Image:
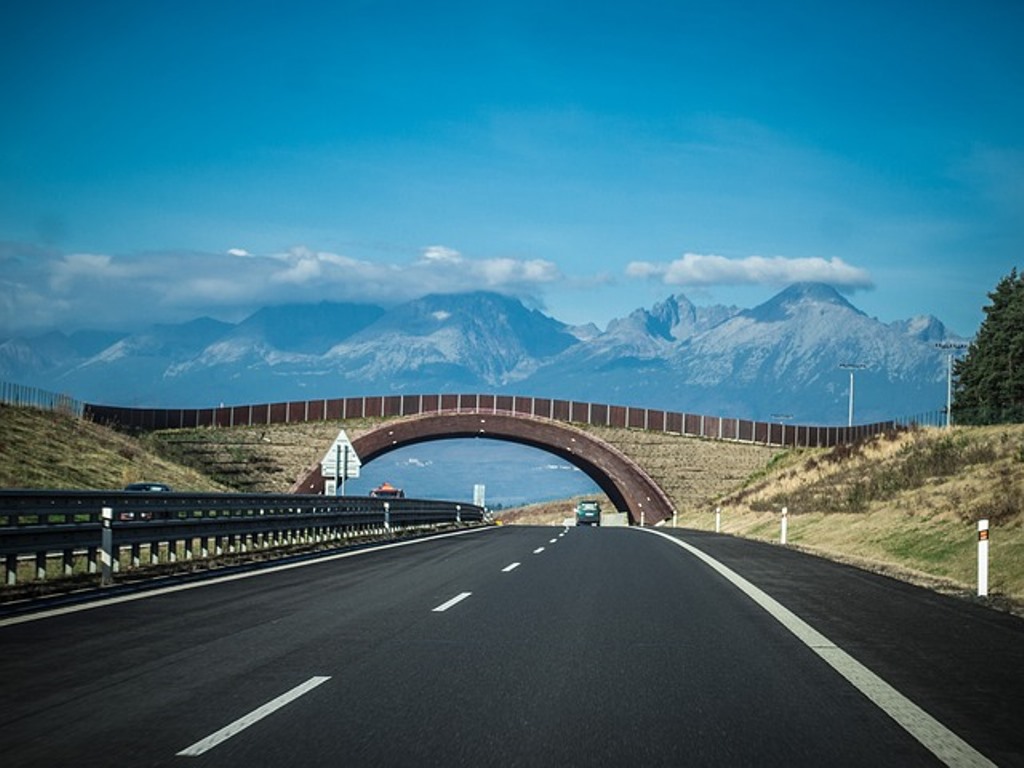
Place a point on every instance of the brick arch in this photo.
(630, 489)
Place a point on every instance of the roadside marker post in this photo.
(107, 547)
(718, 519)
(785, 525)
(983, 557)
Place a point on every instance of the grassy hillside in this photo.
(41, 449)
(907, 503)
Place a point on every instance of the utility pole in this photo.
(952, 347)
(851, 367)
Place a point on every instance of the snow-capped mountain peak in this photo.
(783, 355)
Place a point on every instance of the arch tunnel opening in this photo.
(512, 474)
(622, 480)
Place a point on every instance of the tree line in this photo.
(989, 386)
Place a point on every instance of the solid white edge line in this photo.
(12, 620)
(449, 603)
(933, 735)
(510, 567)
(233, 729)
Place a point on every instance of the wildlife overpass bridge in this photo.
(576, 431)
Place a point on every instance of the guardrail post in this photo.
(107, 547)
(11, 570)
(983, 558)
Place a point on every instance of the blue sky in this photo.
(165, 160)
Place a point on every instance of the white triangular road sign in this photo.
(341, 459)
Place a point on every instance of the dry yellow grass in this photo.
(906, 503)
(40, 449)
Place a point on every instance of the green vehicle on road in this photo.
(588, 512)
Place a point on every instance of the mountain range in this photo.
(779, 360)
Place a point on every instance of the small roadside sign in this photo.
(341, 460)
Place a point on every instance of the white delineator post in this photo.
(107, 547)
(983, 558)
(785, 525)
(718, 519)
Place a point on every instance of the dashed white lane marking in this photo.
(225, 733)
(449, 603)
(510, 567)
(942, 742)
(538, 550)
(553, 541)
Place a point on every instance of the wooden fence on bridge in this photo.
(569, 411)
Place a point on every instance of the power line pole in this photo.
(851, 367)
(952, 347)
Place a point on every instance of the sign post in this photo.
(340, 463)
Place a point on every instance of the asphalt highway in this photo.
(522, 646)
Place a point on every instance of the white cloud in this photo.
(414, 462)
(439, 253)
(96, 290)
(707, 270)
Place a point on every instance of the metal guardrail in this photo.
(95, 526)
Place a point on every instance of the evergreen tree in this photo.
(990, 379)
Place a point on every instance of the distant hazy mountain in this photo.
(778, 360)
